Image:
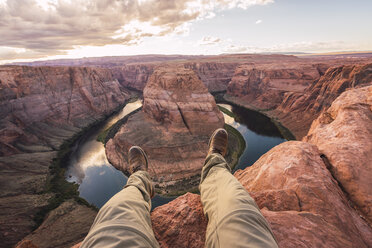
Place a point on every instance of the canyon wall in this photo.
(294, 94)
(40, 108)
(298, 110)
(313, 195)
(133, 76)
(173, 128)
(343, 133)
(264, 87)
(215, 75)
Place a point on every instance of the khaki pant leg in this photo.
(234, 219)
(124, 221)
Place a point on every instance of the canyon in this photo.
(177, 118)
(314, 192)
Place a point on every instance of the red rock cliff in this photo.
(309, 200)
(40, 107)
(264, 86)
(215, 75)
(174, 127)
(298, 110)
(343, 133)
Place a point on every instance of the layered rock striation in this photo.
(343, 133)
(264, 86)
(134, 76)
(173, 128)
(298, 110)
(40, 108)
(294, 93)
(295, 192)
(313, 195)
(215, 75)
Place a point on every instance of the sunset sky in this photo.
(50, 29)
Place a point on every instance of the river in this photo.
(98, 180)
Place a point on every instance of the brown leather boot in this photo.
(218, 142)
(137, 159)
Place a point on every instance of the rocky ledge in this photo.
(173, 128)
(294, 93)
(308, 200)
(40, 108)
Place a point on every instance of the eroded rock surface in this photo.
(264, 86)
(343, 133)
(181, 223)
(134, 75)
(298, 110)
(296, 193)
(174, 127)
(301, 200)
(40, 108)
(215, 75)
(56, 230)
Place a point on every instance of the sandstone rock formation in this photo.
(41, 107)
(133, 76)
(181, 223)
(313, 197)
(56, 230)
(264, 86)
(343, 133)
(174, 127)
(298, 110)
(296, 193)
(215, 75)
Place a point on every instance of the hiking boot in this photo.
(137, 159)
(218, 142)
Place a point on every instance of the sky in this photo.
(51, 29)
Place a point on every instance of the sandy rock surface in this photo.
(180, 224)
(56, 230)
(343, 134)
(296, 193)
(40, 108)
(298, 110)
(173, 128)
(264, 86)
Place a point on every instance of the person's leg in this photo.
(234, 219)
(124, 221)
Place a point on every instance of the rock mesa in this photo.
(174, 126)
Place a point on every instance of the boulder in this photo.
(343, 134)
(181, 223)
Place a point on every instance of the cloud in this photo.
(50, 27)
(209, 40)
(235, 49)
(258, 21)
(305, 46)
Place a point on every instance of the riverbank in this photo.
(60, 189)
(221, 97)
